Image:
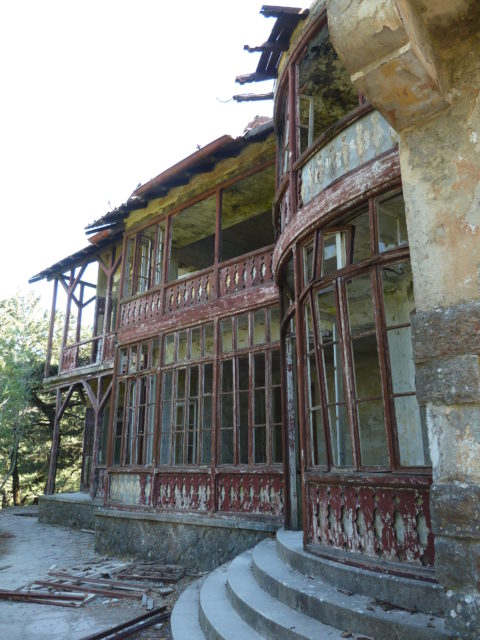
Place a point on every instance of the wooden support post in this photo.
(51, 329)
(52, 469)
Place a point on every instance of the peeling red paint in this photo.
(390, 523)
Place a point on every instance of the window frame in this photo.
(311, 287)
(125, 439)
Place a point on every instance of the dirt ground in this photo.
(28, 550)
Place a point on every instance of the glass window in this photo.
(143, 260)
(359, 365)
(397, 287)
(392, 226)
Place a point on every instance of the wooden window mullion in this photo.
(348, 371)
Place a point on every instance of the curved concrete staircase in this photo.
(278, 592)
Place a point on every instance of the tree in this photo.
(23, 336)
(27, 410)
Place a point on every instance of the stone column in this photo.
(418, 62)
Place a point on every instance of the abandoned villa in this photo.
(284, 366)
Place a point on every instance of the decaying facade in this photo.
(320, 372)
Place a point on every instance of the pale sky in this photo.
(99, 95)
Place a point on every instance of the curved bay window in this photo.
(367, 460)
(363, 412)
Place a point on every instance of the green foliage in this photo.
(27, 412)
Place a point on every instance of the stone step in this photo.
(407, 593)
(218, 619)
(324, 602)
(267, 615)
(185, 620)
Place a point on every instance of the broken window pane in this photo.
(340, 436)
(247, 205)
(392, 226)
(325, 91)
(192, 239)
(373, 437)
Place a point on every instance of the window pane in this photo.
(318, 437)
(132, 366)
(119, 416)
(260, 445)
(146, 242)
(412, 433)
(169, 349)
(308, 256)
(401, 360)
(181, 383)
(373, 438)
(122, 361)
(157, 278)
(332, 364)
(397, 284)
(195, 343)
(340, 436)
(327, 316)
(156, 354)
(277, 448)
(226, 444)
(360, 305)
(167, 379)
(227, 411)
(361, 237)
(366, 366)
(274, 315)
(193, 382)
(334, 254)
(227, 377)
(128, 274)
(226, 335)
(208, 378)
(259, 370)
(259, 327)
(143, 360)
(288, 285)
(243, 372)
(192, 239)
(392, 226)
(243, 426)
(182, 345)
(260, 413)
(208, 340)
(242, 331)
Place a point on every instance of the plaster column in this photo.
(418, 62)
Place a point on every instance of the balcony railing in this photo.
(87, 352)
(240, 274)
